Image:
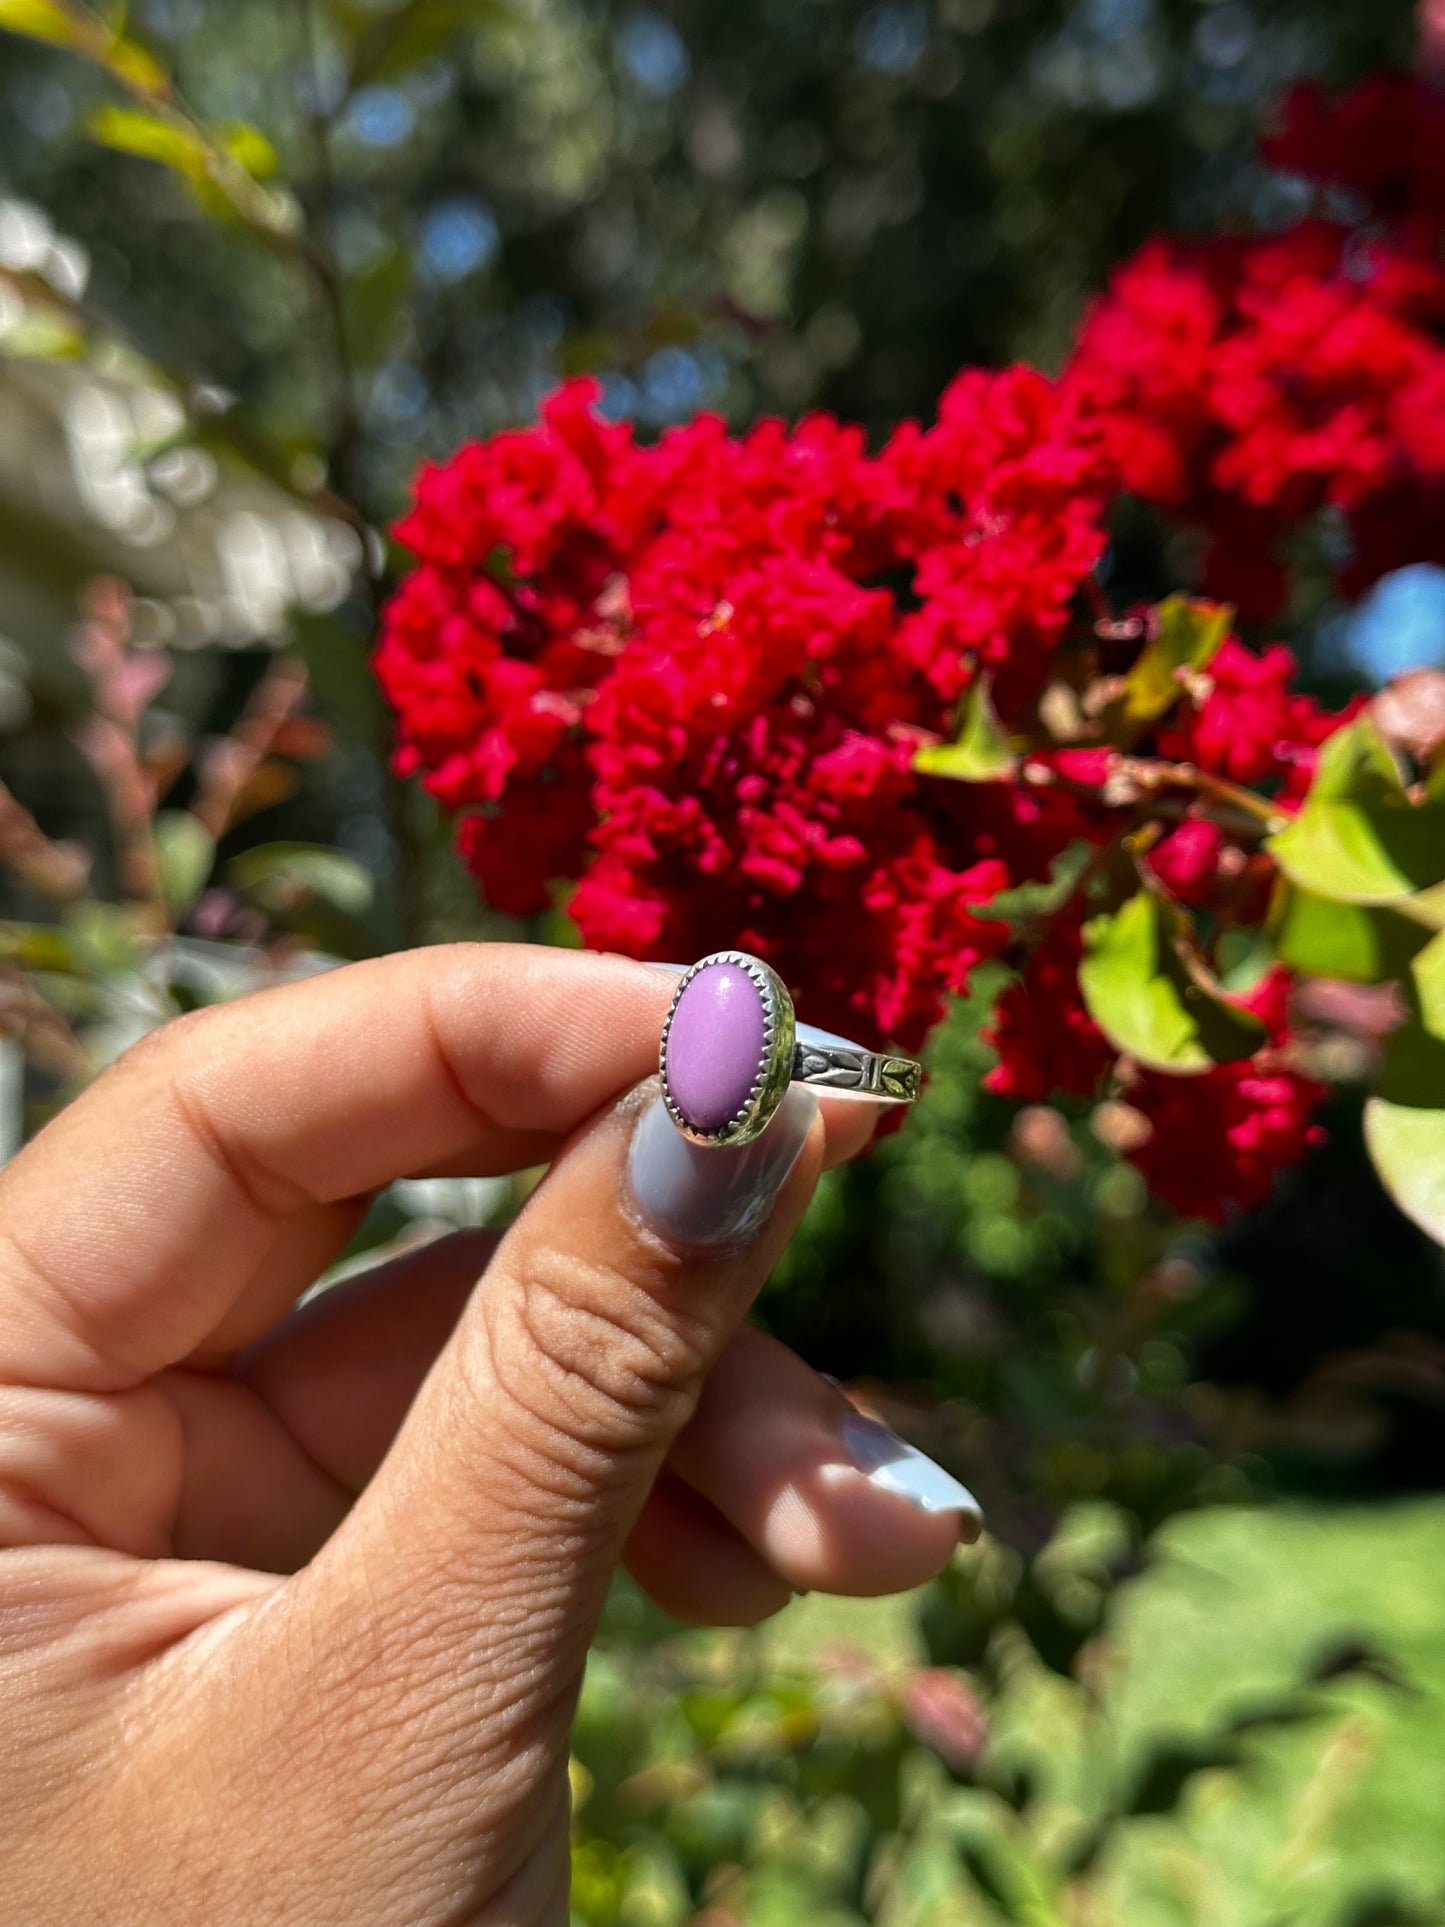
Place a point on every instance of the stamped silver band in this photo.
(847, 1070)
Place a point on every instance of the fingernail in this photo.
(708, 1196)
(893, 1465)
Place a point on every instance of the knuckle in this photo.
(156, 1064)
(175, 1041)
(593, 1352)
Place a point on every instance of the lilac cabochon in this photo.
(715, 1046)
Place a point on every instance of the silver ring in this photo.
(731, 1046)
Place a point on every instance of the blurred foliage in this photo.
(1250, 1734)
(1195, 1673)
(765, 205)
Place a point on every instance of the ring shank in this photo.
(846, 1070)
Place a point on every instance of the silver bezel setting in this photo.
(775, 1069)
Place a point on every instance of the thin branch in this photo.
(1221, 790)
(1142, 778)
(232, 761)
(1107, 626)
(58, 872)
(346, 422)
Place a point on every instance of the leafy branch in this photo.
(231, 163)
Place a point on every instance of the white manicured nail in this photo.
(893, 1465)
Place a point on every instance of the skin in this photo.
(294, 1604)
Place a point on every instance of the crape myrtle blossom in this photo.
(692, 679)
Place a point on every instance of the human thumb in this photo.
(446, 1624)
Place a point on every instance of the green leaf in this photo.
(1356, 765)
(1143, 994)
(37, 946)
(92, 38)
(223, 170)
(154, 137)
(40, 20)
(282, 876)
(1414, 1068)
(1427, 908)
(1185, 635)
(1239, 1612)
(102, 938)
(134, 67)
(1241, 959)
(186, 855)
(1405, 1119)
(1407, 1147)
(981, 754)
(1358, 838)
(1359, 943)
(248, 147)
(38, 336)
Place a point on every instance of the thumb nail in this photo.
(707, 1197)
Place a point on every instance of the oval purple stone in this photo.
(715, 1046)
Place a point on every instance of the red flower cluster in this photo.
(1243, 1124)
(1210, 1144)
(1046, 1041)
(1254, 729)
(693, 678)
(1247, 385)
(694, 685)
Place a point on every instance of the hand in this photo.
(294, 1604)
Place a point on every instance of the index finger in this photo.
(135, 1222)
